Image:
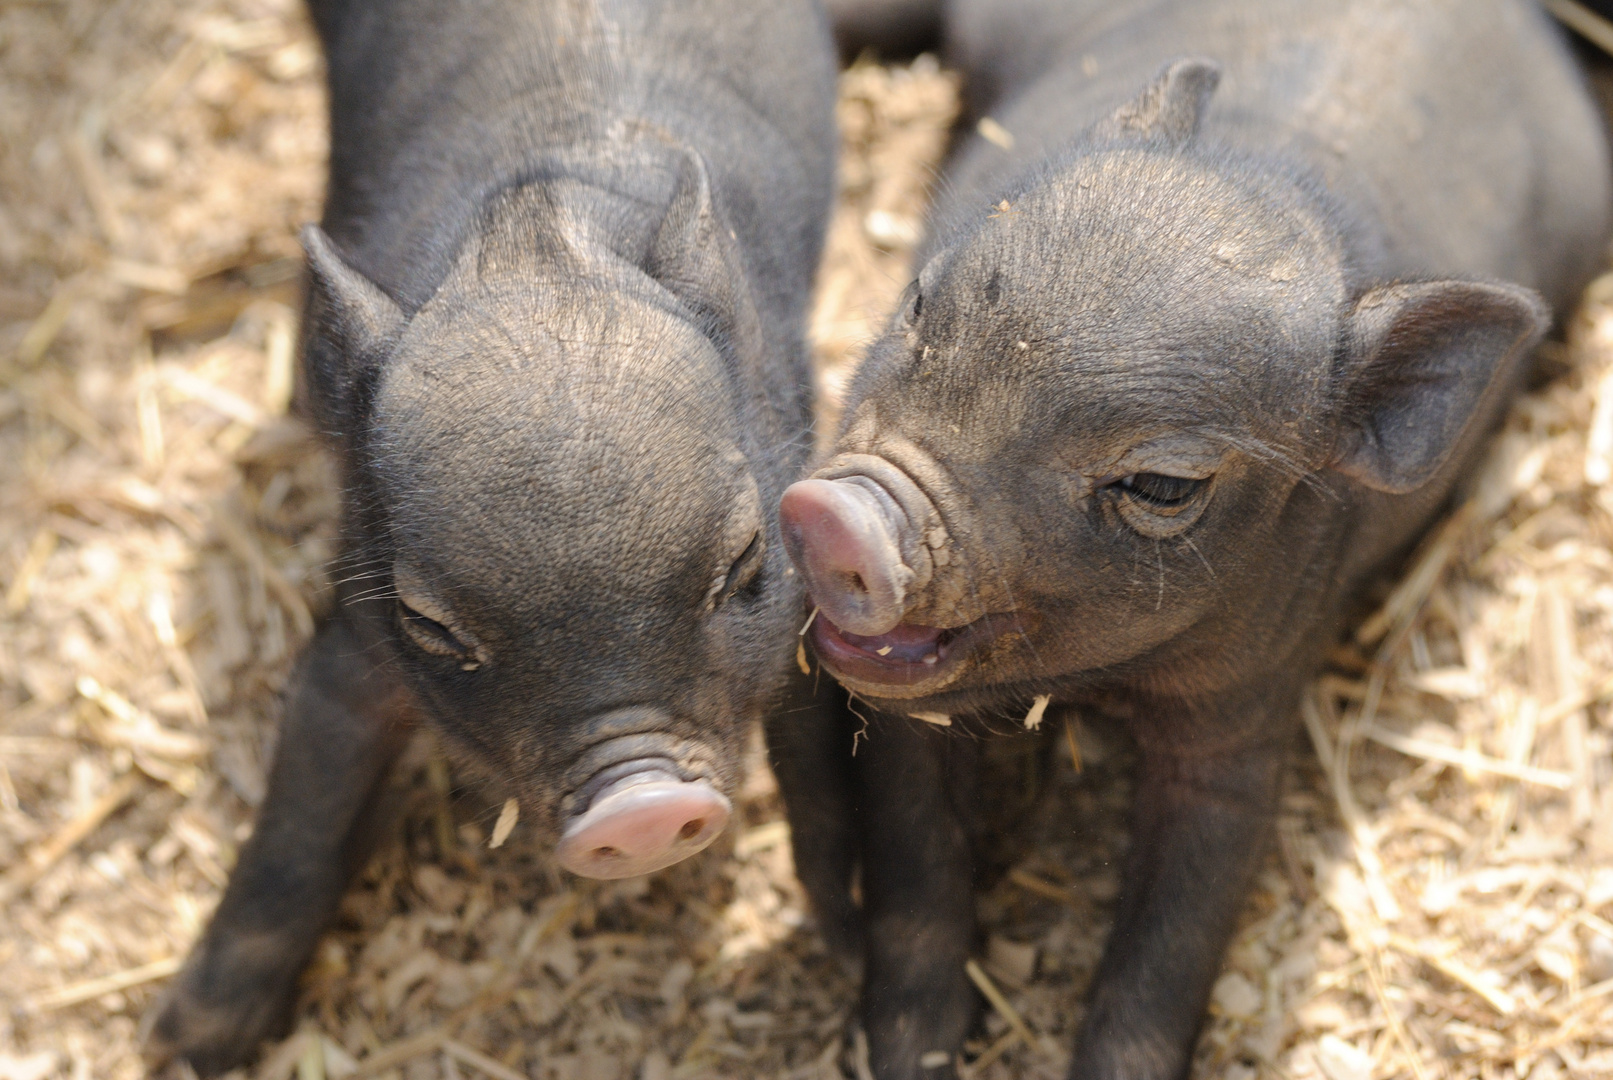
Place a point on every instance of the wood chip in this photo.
(41, 333)
(91, 989)
(983, 983)
(22, 875)
(505, 825)
(1467, 759)
(1045, 889)
(477, 1060)
(1365, 841)
(995, 133)
(1499, 1000)
(1595, 29)
(137, 729)
(400, 1052)
(40, 550)
(771, 835)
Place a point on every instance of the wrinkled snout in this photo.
(848, 547)
(640, 823)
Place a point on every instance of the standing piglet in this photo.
(1182, 370)
(555, 335)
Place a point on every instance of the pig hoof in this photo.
(213, 1032)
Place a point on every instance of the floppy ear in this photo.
(349, 326)
(698, 260)
(1420, 360)
(1170, 110)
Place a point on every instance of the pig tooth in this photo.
(932, 658)
(886, 651)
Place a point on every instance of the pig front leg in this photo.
(809, 742)
(1202, 822)
(340, 734)
(915, 802)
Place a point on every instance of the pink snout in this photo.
(848, 550)
(642, 823)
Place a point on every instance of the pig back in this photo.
(438, 104)
(1456, 135)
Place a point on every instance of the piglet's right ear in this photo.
(1421, 361)
(348, 327)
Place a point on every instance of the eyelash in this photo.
(1159, 490)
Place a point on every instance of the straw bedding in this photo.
(1440, 904)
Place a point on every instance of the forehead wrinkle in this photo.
(1106, 225)
(1106, 291)
(551, 461)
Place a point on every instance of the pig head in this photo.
(558, 471)
(1128, 422)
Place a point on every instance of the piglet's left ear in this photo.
(1420, 361)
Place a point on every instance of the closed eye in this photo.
(1159, 491)
(431, 635)
(744, 577)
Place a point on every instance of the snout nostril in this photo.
(607, 852)
(855, 581)
(691, 829)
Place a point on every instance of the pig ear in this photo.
(349, 325)
(1420, 360)
(352, 311)
(1170, 109)
(697, 259)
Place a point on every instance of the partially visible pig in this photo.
(1181, 371)
(555, 333)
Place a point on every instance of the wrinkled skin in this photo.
(555, 334)
(1181, 371)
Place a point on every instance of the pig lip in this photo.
(898, 658)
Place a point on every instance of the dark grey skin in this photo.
(1206, 350)
(888, 29)
(555, 334)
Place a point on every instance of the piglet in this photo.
(555, 334)
(1204, 336)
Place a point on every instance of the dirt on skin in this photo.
(1441, 904)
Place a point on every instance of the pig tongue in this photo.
(904, 644)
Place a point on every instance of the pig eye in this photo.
(1160, 491)
(911, 305)
(744, 577)
(1157, 504)
(431, 635)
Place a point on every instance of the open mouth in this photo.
(904, 656)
